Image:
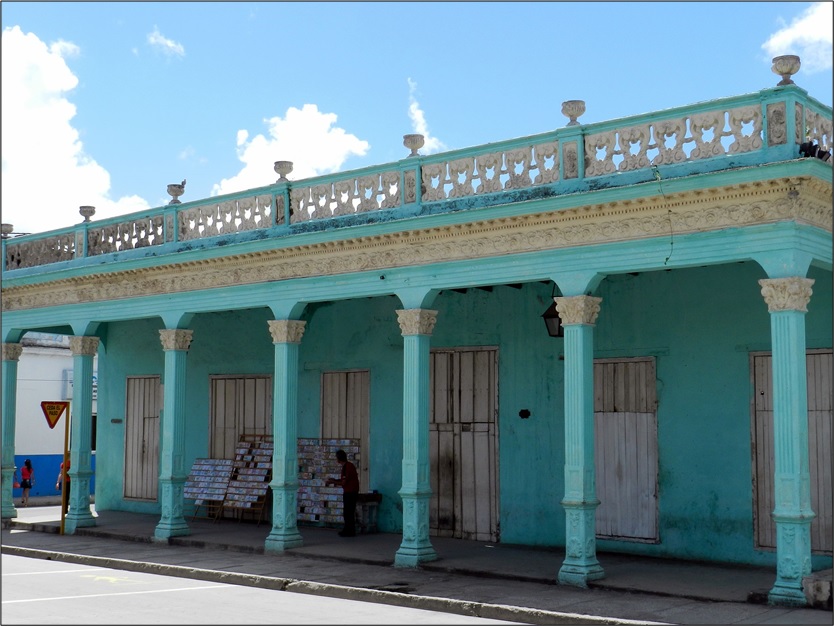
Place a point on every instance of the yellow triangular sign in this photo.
(53, 411)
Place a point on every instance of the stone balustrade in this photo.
(740, 131)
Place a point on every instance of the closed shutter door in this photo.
(345, 414)
(625, 448)
(239, 405)
(463, 453)
(819, 377)
(141, 470)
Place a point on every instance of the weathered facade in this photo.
(689, 255)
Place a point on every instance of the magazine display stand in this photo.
(251, 473)
(319, 504)
(207, 484)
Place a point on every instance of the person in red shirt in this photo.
(349, 482)
(27, 479)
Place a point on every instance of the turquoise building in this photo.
(610, 337)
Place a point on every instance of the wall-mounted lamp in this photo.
(551, 318)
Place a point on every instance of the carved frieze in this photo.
(804, 200)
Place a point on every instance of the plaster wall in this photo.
(699, 323)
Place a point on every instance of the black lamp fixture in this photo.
(551, 318)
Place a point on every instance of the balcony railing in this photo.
(740, 131)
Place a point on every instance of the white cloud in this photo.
(46, 173)
(418, 122)
(809, 36)
(306, 136)
(167, 46)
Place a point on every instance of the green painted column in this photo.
(787, 300)
(11, 354)
(81, 430)
(286, 335)
(173, 473)
(578, 315)
(416, 326)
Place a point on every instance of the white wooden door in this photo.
(141, 469)
(819, 373)
(625, 448)
(463, 441)
(239, 405)
(346, 412)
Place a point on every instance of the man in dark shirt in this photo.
(349, 482)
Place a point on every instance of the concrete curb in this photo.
(429, 603)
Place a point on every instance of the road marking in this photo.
(123, 593)
(63, 571)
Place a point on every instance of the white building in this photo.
(45, 374)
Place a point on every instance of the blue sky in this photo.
(105, 103)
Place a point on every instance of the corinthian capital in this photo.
(416, 321)
(787, 294)
(176, 339)
(11, 351)
(84, 346)
(286, 331)
(578, 309)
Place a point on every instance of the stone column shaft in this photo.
(173, 472)
(286, 336)
(11, 354)
(81, 425)
(787, 300)
(417, 326)
(578, 315)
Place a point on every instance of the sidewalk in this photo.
(517, 583)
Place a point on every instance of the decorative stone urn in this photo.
(414, 142)
(175, 191)
(573, 109)
(87, 212)
(282, 168)
(6, 230)
(786, 66)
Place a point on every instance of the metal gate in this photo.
(345, 414)
(464, 444)
(625, 448)
(819, 372)
(239, 405)
(141, 470)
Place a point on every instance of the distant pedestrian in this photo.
(64, 477)
(349, 482)
(27, 479)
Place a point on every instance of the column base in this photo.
(173, 528)
(782, 595)
(410, 556)
(280, 541)
(579, 575)
(9, 512)
(84, 519)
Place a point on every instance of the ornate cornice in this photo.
(787, 294)
(176, 339)
(416, 321)
(83, 346)
(803, 200)
(286, 331)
